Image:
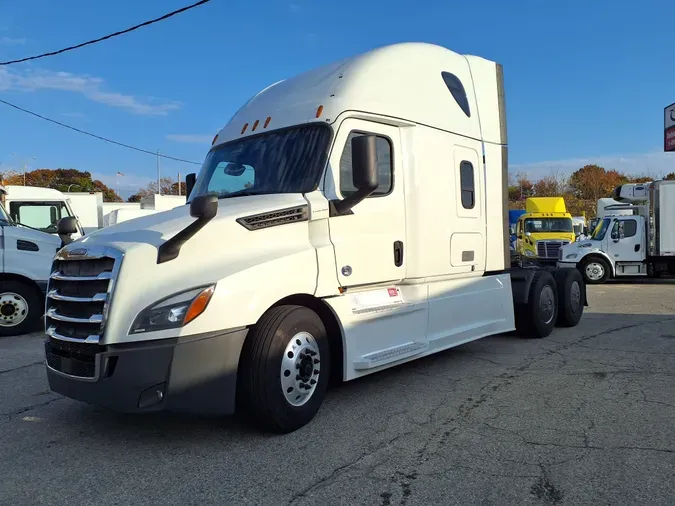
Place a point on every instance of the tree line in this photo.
(72, 180)
(581, 189)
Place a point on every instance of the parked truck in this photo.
(25, 266)
(39, 208)
(347, 220)
(635, 237)
(545, 227)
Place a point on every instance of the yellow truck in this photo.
(545, 227)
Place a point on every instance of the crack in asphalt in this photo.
(41, 362)
(29, 408)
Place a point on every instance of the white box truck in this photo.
(346, 220)
(635, 236)
(25, 266)
(88, 207)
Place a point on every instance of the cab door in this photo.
(626, 242)
(369, 242)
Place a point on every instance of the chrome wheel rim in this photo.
(595, 271)
(300, 369)
(13, 309)
(547, 304)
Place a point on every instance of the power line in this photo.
(153, 153)
(146, 23)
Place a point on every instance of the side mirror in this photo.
(204, 207)
(65, 228)
(364, 173)
(190, 183)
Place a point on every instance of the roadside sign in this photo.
(669, 128)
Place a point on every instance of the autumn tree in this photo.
(592, 182)
(167, 186)
(670, 176)
(64, 180)
(520, 187)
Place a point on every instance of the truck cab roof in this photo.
(32, 192)
(409, 83)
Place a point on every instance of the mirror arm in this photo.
(344, 207)
(65, 239)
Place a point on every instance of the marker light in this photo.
(319, 111)
(198, 305)
(255, 125)
(244, 128)
(267, 121)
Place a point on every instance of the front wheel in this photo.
(595, 270)
(285, 368)
(20, 308)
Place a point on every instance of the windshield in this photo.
(283, 161)
(600, 230)
(539, 225)
(38, 215)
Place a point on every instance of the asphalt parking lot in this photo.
(585, 416)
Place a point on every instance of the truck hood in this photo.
(224, 252)
(155, 229)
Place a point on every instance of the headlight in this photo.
(571, 256)
(529, 253)
(174, 311)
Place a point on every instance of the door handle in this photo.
(398, 253)
(637, 248)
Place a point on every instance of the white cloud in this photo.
(191, 138)
(10, 41)
(654, 163)
(90, 87)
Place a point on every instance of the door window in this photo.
(624, 229)
(385, 167)
(42, 216)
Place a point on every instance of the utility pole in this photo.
(159, 188)
(179, 184)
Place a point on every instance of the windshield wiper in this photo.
(240, 193)
(28, 226)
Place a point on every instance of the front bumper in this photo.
(196, 374)
(566, 265)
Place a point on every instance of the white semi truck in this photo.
(635, 237)
(25, 266)
(39, 208)
(346, 220)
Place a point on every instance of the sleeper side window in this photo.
(467, 185)
(385, 167)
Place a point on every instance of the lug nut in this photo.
(316, 360)
(316, 371)
(312, 382)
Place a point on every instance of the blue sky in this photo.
(585, 81)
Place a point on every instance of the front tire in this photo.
(285, 368)
(595, 270)
(20, 308)
(537, 317)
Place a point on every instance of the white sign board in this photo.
(669, 128)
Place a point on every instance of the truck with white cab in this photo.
(346, 220)
(635, 236)
(25, 266)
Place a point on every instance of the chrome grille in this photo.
(78, 295)
(549, 249)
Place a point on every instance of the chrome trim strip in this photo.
(78, 378)
(57, 276)
(99, 297)
(51, 332)
(95, 318)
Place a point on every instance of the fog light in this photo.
(152, 396)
